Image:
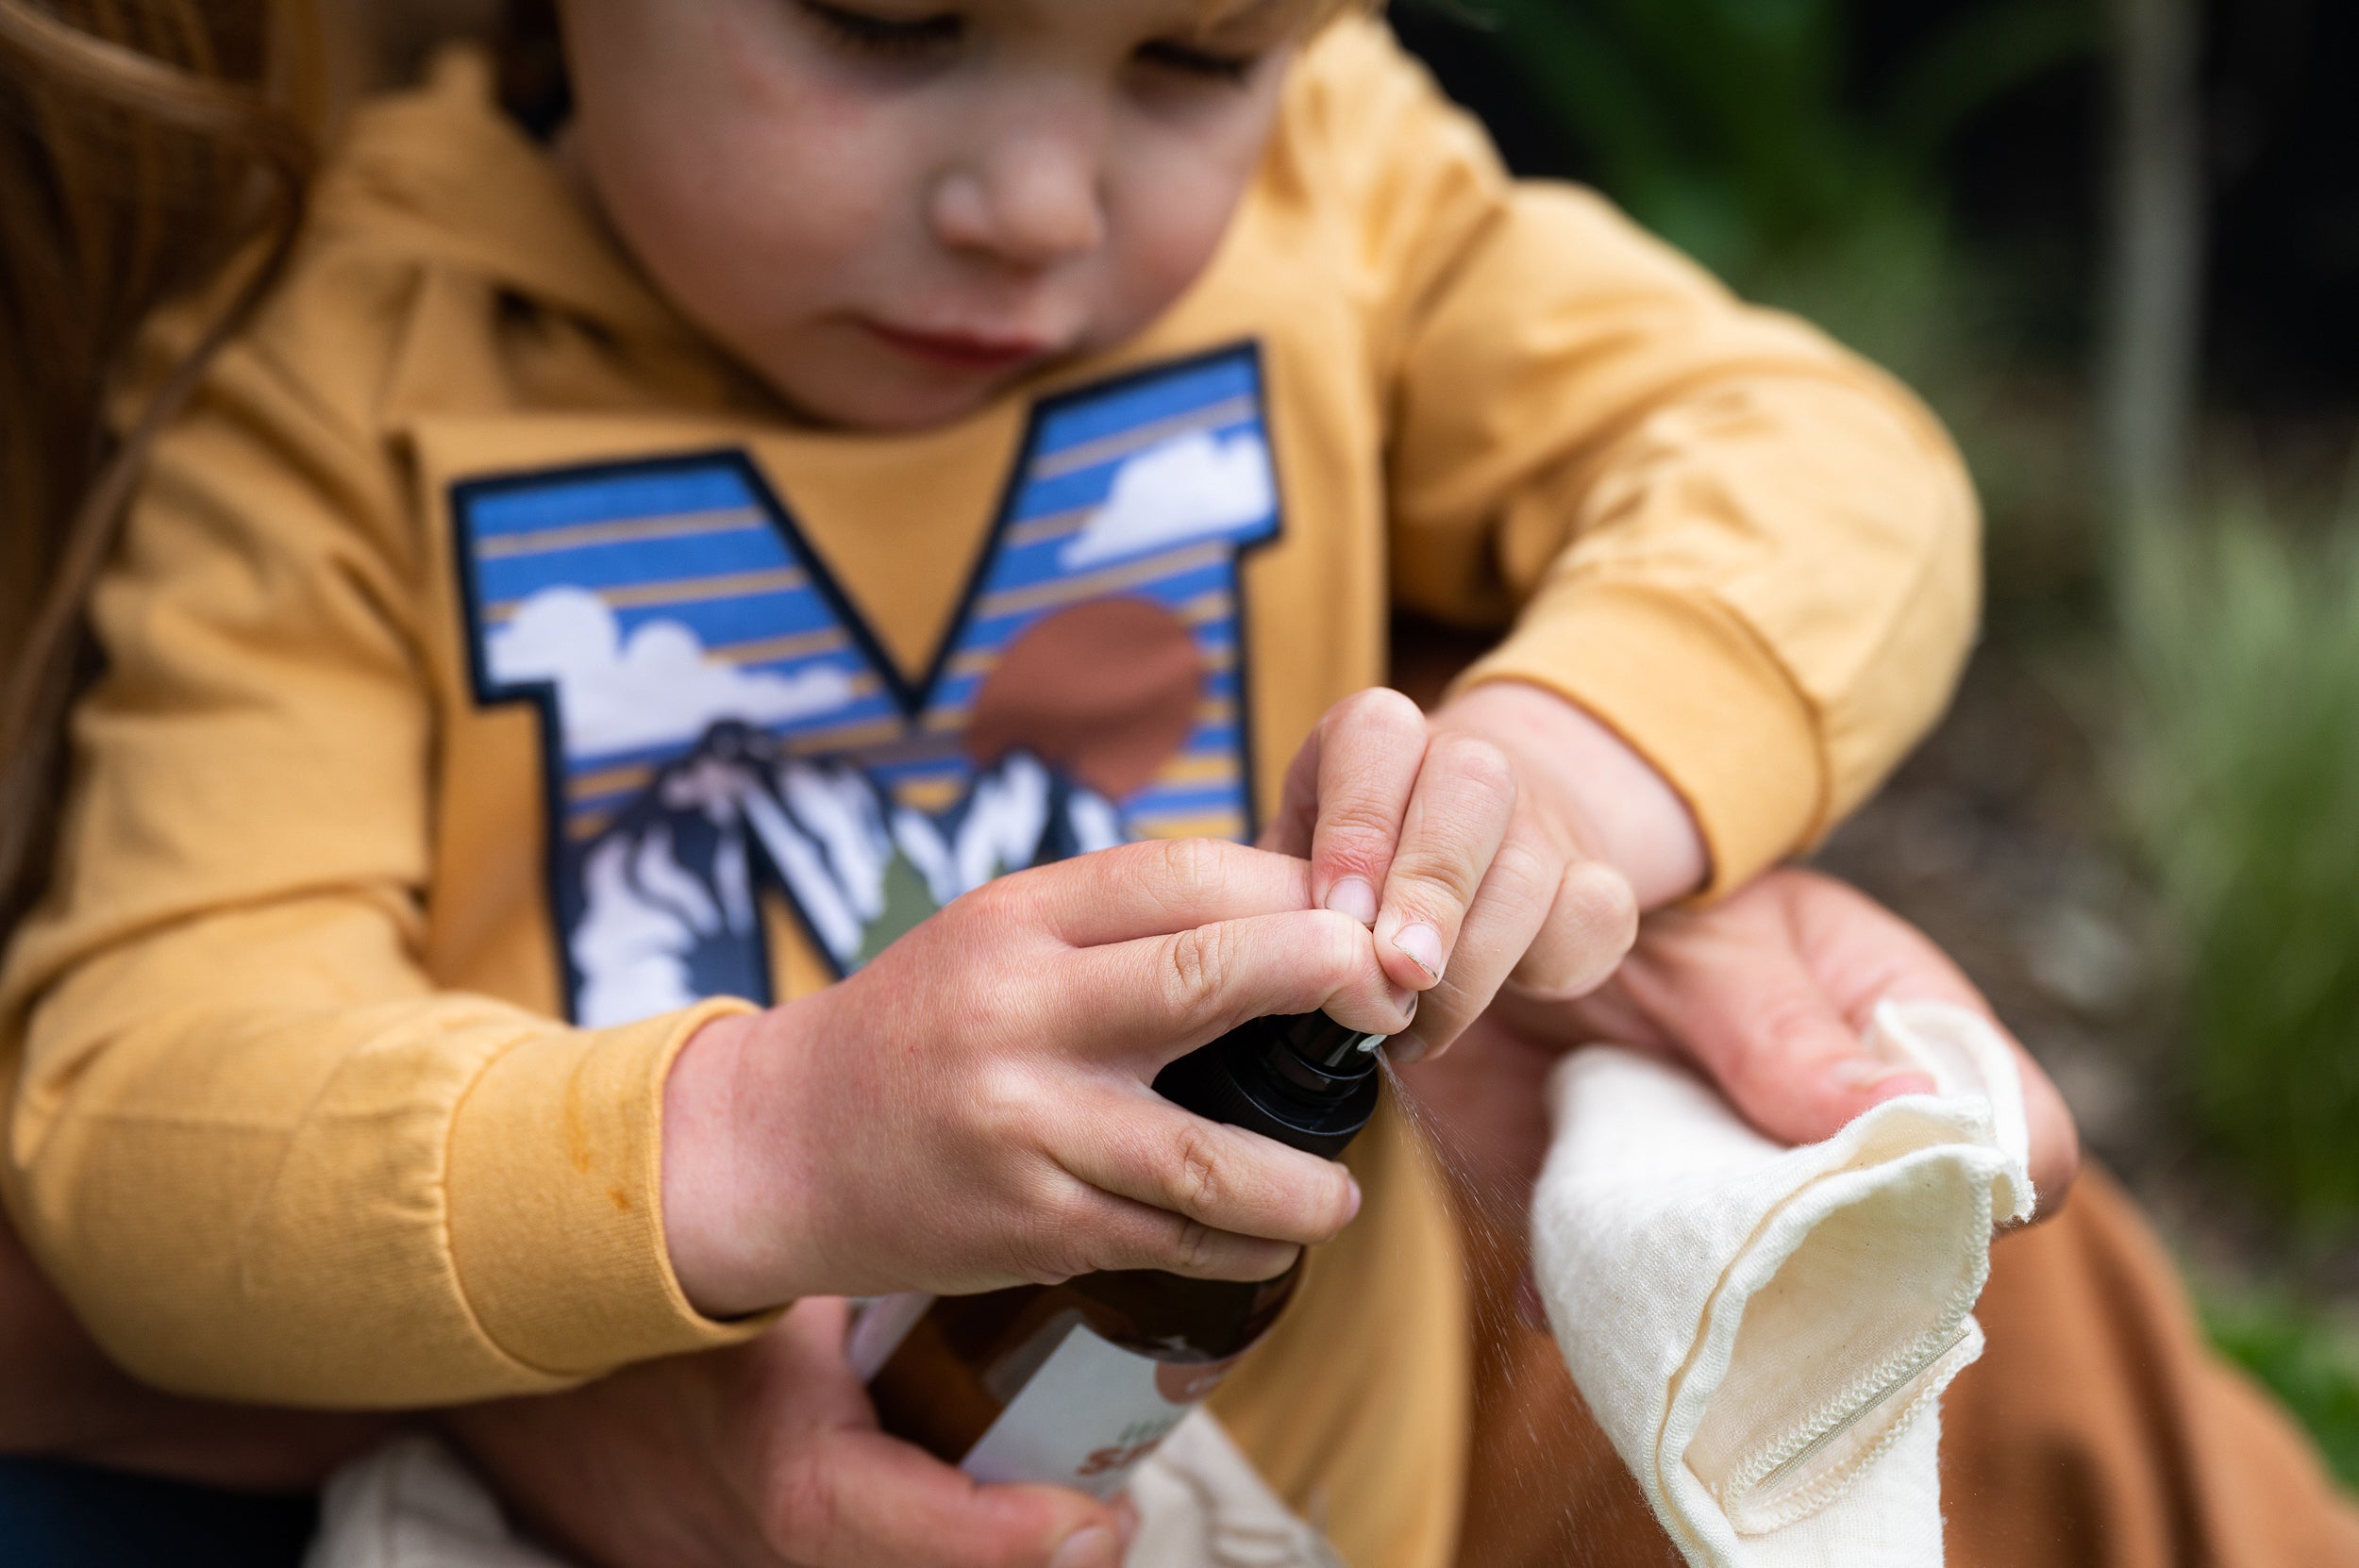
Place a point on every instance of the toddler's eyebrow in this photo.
(1257, 20)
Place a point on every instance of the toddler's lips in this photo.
(960, 350)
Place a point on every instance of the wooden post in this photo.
(2155, 285)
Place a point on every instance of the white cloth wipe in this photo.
(1764, 1332)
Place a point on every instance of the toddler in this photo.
(581, 670)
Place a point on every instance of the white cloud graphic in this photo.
(659, 687)
(1193, 487)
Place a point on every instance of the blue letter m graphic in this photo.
(721, 725)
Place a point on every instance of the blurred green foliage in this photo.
(2242, 787)
(1731, 128)
(1738, 129)
(2307, 1357)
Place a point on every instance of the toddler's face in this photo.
(889, 208)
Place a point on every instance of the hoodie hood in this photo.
(443, 176)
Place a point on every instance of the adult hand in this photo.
(1770, 993)
(1510, 835)
(760, 1457)
(972, 1110)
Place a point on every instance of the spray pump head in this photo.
(1301, 1079)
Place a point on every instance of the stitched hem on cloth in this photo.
(1906, 1368)
(1866, 1392)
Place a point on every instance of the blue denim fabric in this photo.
(58, 1515)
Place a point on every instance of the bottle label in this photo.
(1090, 1415)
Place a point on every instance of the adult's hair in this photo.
(146, 147)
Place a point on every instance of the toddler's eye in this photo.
(1189, 61)
(885, 35)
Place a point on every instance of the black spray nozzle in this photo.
(1303, 1080)
(1319, 1040)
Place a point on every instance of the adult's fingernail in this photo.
(1356, 1200)
(1094, 1547)
(1406, 1000)
(1422, 944)
(1883, 1080)
(1353, 896)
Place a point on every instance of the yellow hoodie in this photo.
(498, 684)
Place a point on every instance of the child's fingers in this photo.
(1231, 1184)
(1591, 925)
(1146, 890)
(1455, 823)
(1507, 913)
(1368, 755)
(1128, 1234)
(1081, 1227)
(1151, 1000)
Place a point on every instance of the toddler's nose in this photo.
(1031, 198)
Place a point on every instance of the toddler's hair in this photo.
(144, 144)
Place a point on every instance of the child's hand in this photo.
(762, 1456)
(1511, 836)
(972, 1110)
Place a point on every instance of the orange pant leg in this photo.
(2100, 1431)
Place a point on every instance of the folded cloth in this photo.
(412, 1504)
(1764, 1332)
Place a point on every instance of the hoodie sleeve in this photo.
(259, 1151)
(1751, 554)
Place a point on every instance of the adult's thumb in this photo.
(871, 1501)
(1760, 1026)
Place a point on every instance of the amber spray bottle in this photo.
(1075, 1384)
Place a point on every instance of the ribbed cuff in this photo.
(554, 1198)
(1691, 690)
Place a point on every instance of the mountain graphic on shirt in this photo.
(670, 910)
